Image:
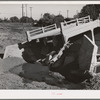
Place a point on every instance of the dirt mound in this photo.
(12, 81)
(94, 83)
(31, 71)
(15, 73)
(37, 72)
(8, 63)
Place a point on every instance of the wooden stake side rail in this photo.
(77, 22)
(45, 34)
(40, 31)
(73, 31)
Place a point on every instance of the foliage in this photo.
(1, 20)
(14, 19)
(47, 19)
(41, 22)
(67, 19)
(6, 20)
(93, 10)
(25, 19)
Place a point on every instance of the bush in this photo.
(14, 19)
(46, 20)
(6, 20)
(93, 10)
(1, 20)
(25, 19)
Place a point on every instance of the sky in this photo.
(9, 10)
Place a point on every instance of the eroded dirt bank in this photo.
(15, 73)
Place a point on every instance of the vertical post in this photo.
(77, 23)
(89, 18)
(43, 29)
(41, 15)
(26, 10)
(99, 19)
(67, 13)
(23, 14)
(62, 31)
(99, 16)
(22, 10)
(31, 12)
(62, 28)
(59, 12)
(83, 20)
(55, 26)
(92, 32)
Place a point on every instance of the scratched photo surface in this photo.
(50, 46)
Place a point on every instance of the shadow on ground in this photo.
(37, 72)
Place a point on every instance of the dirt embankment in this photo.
(15, 73)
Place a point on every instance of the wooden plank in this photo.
(80, 29)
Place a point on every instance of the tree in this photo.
(30, 20)
(46, 20)
(6, 19)
(41, 22)
(14, 19)
(67, 19)
(49, 19)
(1, 20)
(58, 19)
(93, 10)
(25, 19)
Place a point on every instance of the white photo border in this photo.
(50, 94)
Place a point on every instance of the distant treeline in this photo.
(47, 19)
(91, 9)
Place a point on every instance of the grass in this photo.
(12, 33)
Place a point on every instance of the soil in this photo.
(15, 73)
